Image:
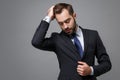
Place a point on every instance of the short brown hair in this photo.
(60, 6)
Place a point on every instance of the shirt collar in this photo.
(78, 31)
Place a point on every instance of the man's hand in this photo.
(50, 13)
(83, 69)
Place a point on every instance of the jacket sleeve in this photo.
(39, 41)
(102, 58)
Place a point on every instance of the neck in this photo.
(76, 27)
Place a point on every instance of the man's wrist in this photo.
(47, 19)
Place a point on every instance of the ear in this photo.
(74, 15)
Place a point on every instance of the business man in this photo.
(74, 46)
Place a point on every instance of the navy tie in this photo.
(78, 45)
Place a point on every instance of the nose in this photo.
(65, 25)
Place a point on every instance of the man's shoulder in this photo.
(59, 35)
(55, 34)
(89, 30)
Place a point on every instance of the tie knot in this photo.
(73, 35)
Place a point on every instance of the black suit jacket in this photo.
(68, 55)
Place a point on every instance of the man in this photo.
(74, 46)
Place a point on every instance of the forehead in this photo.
(63, 16)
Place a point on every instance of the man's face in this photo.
(66, 21)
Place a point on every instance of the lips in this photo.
(67, 30)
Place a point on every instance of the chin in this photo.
(69, 33)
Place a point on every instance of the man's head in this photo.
(65, 17)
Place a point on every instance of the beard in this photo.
(72, 29)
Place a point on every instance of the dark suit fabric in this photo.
(67, 54)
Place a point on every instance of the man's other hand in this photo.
(83, 69)
(50, 13)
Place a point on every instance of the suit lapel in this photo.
(86, 38)
(74, 52)
(69, 44)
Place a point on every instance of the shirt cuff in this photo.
(47, 19)
(92, 70)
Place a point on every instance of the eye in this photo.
(60, 23)
(68, 20)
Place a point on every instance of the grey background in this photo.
(19, 20)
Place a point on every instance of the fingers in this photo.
(80, 71)
(50, 12)
(83, 69)
(81, 63)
